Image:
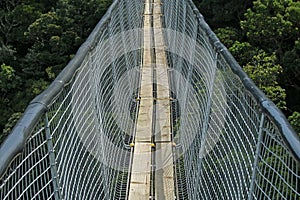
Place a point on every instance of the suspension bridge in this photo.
(153, 106)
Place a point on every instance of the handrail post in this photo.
(51, 153)
(257, 152)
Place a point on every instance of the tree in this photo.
(243, 52)
(83, 15)
(271, 24)
(228, 35)
(295, 121)
(7, 21)
(47, 50)
(8, 53)
(38, 38)
(8, 84)
(223, 13)
(15, 17)
(292, 64)
(264, 71)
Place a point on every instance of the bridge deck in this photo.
(153, 124)
(164, 174)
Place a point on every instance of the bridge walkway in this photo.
(152, 174)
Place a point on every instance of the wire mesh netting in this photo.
(79, 148)
(228, 145)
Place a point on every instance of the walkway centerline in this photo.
(152, 174)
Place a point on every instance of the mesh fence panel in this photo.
(28, 176)
(86, 154)
(227, 146)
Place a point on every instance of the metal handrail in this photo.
(289, 135)
(15, 141)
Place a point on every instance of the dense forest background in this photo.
(39, 37)
(264, 37)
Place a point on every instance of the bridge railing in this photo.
(232, 141)
(73, 141)
(69, 144)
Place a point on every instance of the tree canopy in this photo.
(264, 37)
(37, 39)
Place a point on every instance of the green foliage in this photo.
(243, 52)
(277, 94)
(10, 124)
(51, 47)
(15, 17)
(83, 15)
(291, 70)
(264, 71)
(295, 121)
(7, 78)
(9, 82)
(37, 39)
(50, 73)
(35, 87)
(294, 13)
(44, 27)
(268, 48)
(8, 54)
(228, 35)
(271, 24)
(222, 13)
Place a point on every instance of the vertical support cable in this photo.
(53, 167)
(257, 152)
(154, 95)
